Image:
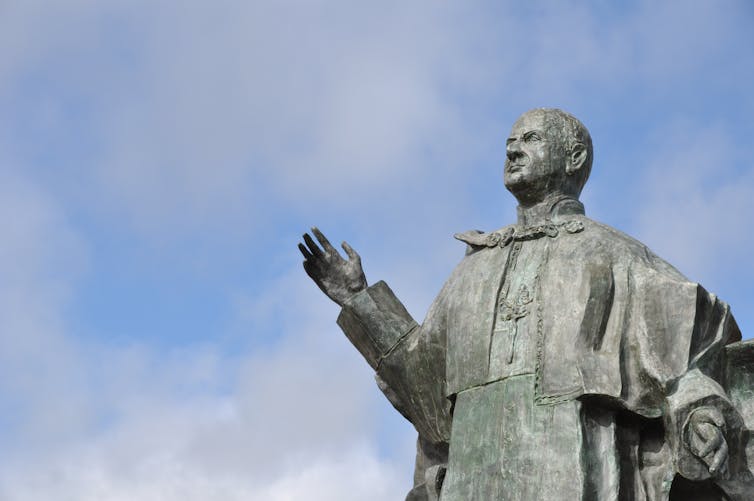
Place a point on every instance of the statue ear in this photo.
(576, 159)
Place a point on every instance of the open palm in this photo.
(337, 277)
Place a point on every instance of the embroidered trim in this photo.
(540, 330)
(551, 230)
(502, 292)
(539, 397)
(519, 234)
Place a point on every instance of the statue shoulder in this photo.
(625, 247)
(603, 233)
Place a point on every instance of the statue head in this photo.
(548, 153)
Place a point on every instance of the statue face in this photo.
(535, 161)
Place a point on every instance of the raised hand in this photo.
(704, 437)
(338, 278)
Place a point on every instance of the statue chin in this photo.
(518, 185)
(527, 191)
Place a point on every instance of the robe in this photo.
(623, 348)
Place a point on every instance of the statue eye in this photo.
(531, 137)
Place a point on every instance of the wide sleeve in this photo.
(410, 363)
(409, 358)
(700, 387)
(374, 320)
(677, 345)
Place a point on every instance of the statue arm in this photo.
(375, 322)
(701, 419)
(409, 358)
(698, 420)
(672, 366)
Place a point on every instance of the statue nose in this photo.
(512, 151)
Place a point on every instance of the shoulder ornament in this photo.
(501, 238)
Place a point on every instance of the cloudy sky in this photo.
(159, 161)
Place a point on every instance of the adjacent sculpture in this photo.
(561, 360)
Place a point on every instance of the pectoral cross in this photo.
(510, 313)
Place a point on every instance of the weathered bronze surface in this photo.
(562, 359)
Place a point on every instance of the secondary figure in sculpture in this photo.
(561, 360)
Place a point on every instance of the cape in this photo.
(618, 325)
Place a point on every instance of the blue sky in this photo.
(160, 160)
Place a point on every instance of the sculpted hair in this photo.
(569, 130)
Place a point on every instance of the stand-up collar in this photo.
(549, 210)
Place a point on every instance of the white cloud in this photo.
(89, 476)
(193, 424)
(224, 103)
(41, 384)
(302, 420)
(697, 202)
(218, 117)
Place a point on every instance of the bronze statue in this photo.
(562, 359)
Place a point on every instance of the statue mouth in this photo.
(516, 166)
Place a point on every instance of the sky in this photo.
(159, 162)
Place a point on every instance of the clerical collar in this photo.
(549, 210)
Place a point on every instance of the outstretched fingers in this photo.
(352, 254)
(324, 241)
(313, 248)
(307, 255)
